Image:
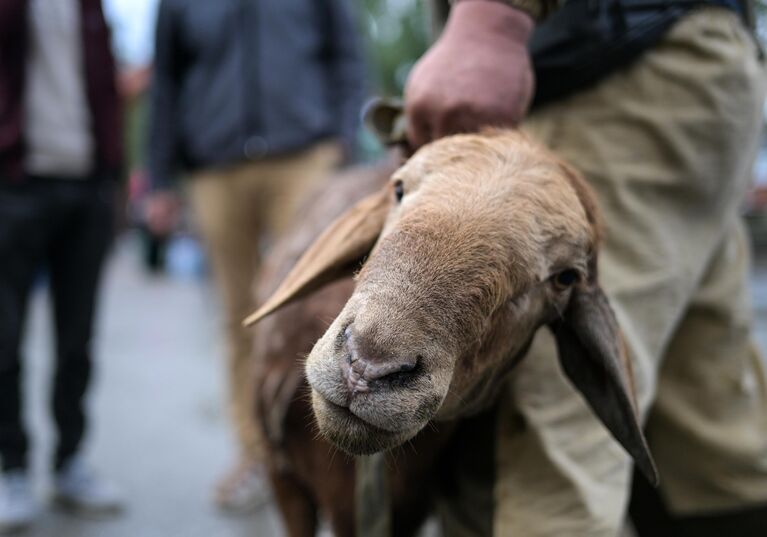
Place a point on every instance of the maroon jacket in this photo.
(100, 87)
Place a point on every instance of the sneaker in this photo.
(77, 488)
(18, 507)
(243, 490)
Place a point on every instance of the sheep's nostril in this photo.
(364, 364)
(363, 375)
(376, 371)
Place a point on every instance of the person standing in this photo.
(60, 157)
(666, 138)
(255, 100)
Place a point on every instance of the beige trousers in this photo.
(239, 210)
(667, 145)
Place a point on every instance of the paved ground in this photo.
(159, 422)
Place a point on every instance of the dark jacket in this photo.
(243, 79)
(100, 87)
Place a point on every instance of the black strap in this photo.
(586, 40)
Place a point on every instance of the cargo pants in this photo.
(238, 210)
(667, 144)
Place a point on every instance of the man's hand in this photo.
(162, 209)
(477, 74)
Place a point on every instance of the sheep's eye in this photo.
(399, 190)
(566, 278)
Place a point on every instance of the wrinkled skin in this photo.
(466, 269)
(477, 74)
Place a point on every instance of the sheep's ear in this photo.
(335, 254)
(593, 356)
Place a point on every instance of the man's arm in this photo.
(478, 73)
(537, 9)
(347, 69)
(163, 130)
(163, 134)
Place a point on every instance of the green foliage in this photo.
(136, 125)
(397, 33)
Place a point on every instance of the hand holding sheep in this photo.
(477, 74)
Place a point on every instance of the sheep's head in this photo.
(477, 241)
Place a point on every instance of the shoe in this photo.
(77, 488)
(243, 490)
(18, 507)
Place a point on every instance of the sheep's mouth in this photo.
(351, 433)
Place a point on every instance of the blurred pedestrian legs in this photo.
(255, 101)
(60, 155)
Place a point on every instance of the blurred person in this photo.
(256, 101)
(666, 137)
(133, 83)
(133, 23)
(60, 157)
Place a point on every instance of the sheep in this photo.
(305, 474)
(475, 243)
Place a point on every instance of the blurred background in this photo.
(159, 420)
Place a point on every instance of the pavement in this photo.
(159, 425)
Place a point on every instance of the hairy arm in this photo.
(537, 9)
(477, 73)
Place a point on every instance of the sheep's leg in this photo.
(341, 522)
(337, 498)
(297, 505)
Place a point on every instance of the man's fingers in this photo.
(419, 130)
(476, 75)
(458, 120)
(162, 212)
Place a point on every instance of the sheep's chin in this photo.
(352, 434)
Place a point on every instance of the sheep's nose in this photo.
(368, 366)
